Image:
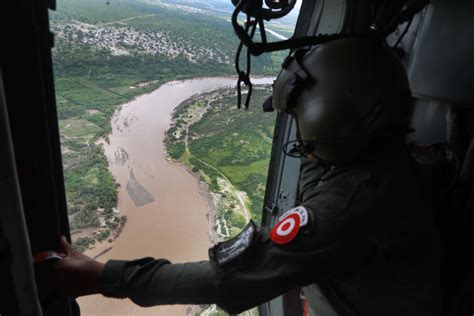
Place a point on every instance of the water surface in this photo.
(170, 218)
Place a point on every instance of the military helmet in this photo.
(343, 94)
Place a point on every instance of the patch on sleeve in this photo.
(228, 250)
(289, 225)
(301, 211)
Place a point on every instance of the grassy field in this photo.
(229, 143)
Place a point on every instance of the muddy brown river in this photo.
(166, 207)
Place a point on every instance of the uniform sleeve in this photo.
(251, 268)
(261, 272)
(149, 282)
(266, 270)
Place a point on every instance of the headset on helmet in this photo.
(342, 95)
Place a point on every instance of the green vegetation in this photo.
(104, 56)
(177, 151)
(100, 63)
(238, 143)
(103, 234)
(83, 243)
(226, 143)
(89, 184)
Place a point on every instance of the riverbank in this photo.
(214, 237)
(174, 224)
(88, 236)
(228, 149)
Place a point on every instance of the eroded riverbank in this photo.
(166, 207)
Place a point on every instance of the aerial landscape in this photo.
(153, 144)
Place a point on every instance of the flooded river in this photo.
(166, 207)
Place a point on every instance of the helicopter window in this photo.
(157, 158)
(118, 63)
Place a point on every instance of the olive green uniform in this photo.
(370, 248)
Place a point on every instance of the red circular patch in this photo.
(286, 229)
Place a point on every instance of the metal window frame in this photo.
(17, 250)
(28, 91)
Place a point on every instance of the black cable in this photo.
(247, 73)
(257, 49)
(405, 31)
(270, 13)
(239, 80)
(254, 8)
(261, 27)
(260, 48)
(244, 76)
(292, 148)
(241, 74)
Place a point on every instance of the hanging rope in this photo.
(256, 13)
(244, 76)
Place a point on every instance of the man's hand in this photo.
(77, 274)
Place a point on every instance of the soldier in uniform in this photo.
(361, 241)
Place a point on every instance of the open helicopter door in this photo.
(33, 212)
(435, 44)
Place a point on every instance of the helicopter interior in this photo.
(435, 39)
